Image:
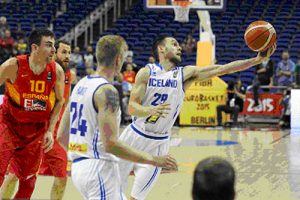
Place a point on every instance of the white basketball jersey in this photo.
(85, 140)
(162, 87)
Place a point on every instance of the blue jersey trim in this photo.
(102, 189)
(92, 77)
(158, 65)
(182, 78)
(149, 69)
(148, 136)
(79, 159)
(151, 179)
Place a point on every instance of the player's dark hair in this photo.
(36, 35)
(158, 41)
(57, 42)
(214, 179)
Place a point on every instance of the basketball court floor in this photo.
(267, 164)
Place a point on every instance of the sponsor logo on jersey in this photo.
(35, 96)
(175, 74)
(74, 147)
(66, 80)
(153, 82)
(152, 119)
(49, 76)
(35, 105)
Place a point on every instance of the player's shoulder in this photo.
(11, 62)
(10, 65)
(59, 68)
(106, 93)
(104, 89)
(143, 74)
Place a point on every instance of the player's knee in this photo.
(61, 180)
(12, 177)
(29, 182)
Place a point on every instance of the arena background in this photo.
(263, 150)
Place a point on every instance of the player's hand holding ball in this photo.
(260, 36)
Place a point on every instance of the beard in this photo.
(62, 64)
(176, 61)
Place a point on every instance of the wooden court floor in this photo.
(267, 164)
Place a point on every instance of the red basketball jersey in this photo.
(67, 85)
(31, 97)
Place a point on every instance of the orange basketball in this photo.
(260, 35)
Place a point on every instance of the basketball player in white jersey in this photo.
(94, 117)
(162, 86)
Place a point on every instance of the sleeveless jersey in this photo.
(162, 87)
(31, 97)
(85, 140)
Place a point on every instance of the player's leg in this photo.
(58, 188)
(8, 186)
(147, 175)
(145, 178)
(95, 178)
(26, 187)
(125, 167)
(25, 164)
(5, 157)
(8, 143)
(56, 162)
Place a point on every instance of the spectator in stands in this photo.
(3, 26)
(128, 81)
(297, 74)
(129, 74)
(214, 179)
(285, 70)
(76, 58)
(189, 44)
(235, 102)
(264, 76)
(285, 119)
(151, 60)
(129, 60)
(7, 43)
(89, 60)
(21, 46)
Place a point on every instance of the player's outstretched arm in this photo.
(106, 101)
(137, 94)
(200, 73)
(8, 70)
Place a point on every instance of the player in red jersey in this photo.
(54, 162)
(31, 106)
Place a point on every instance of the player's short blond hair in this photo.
(108, 48)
